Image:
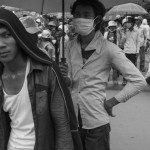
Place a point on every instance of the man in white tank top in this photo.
(35, 108)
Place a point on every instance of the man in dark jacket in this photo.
(36, 110)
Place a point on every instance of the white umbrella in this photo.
(126, 9)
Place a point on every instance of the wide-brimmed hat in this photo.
(30, 24)
(45, 34)
(112, 23)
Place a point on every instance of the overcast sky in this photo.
(55, 5)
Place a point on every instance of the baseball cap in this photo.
(30, 24)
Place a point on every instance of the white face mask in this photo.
(83, 26)
(112, 30)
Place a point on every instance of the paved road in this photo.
(131, 126)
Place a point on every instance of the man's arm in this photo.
(135, 80)
(60, 117)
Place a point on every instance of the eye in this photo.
(6, 35)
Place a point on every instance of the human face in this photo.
(8, 46)
(128, 25)
(85, 12)
(112, 28)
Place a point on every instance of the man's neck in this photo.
(85, 40)
(15, 65)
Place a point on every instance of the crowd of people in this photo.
(132, 35)
(47, 104)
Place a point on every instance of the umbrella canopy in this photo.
(125, 9)
(39, 6)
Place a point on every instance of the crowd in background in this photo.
(130, 33)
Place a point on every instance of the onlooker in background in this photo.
(71, 30)
(47, 44)
(90, 58)
(113, 36)
(52, 27)
(131, 41)
(40, 23)
(143, 40)
(147, 28)
(32, 28)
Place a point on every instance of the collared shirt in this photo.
(142, 34)
(89, 79)
(132, 42)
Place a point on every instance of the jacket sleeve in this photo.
(135, 80)
(60, 117)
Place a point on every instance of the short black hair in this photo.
(98, 7)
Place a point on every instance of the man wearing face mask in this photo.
(90, 58)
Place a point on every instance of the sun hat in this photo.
(52, 23)
(118, 16)
(112, 23)
(30, 24)
(45, 34)
(38, 20)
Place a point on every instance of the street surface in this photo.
(130, 129)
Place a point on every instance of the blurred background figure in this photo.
(112, 35)
(32, 28)
(46, 43)
(143, 41)
(131, 40)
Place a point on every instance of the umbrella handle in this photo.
(63, 60)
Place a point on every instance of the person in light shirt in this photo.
(35, 104)
(131, 38)
(143, 41)
(113, 35)
(90, 58)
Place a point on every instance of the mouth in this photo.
(3, 54)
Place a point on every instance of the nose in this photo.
(2, 44)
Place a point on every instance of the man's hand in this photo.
(109, 104)
(64, 69)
